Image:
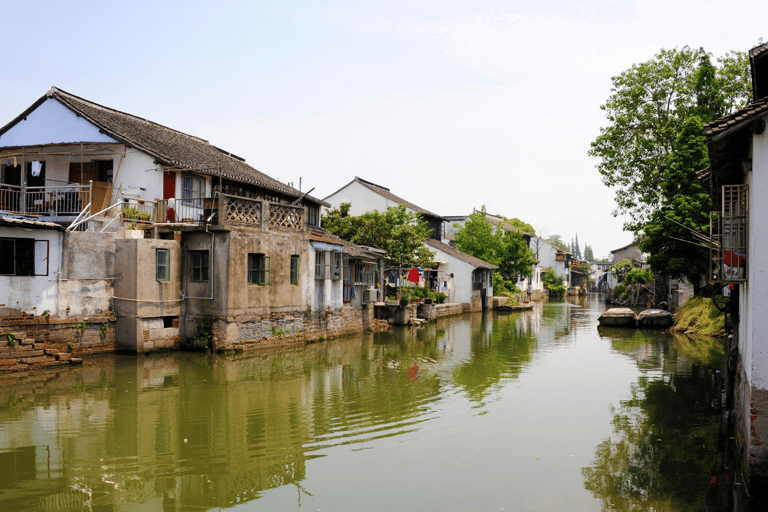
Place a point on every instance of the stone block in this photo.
(76, 360)
(63, 356)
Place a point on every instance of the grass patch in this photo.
(701, 316)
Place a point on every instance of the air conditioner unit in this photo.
(369, 295)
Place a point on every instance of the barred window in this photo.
(259, 271)
(319, 265)
(163, 264)
(199, 265)
(295, 269)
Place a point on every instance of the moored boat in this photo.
(618, 317)
(655, 318)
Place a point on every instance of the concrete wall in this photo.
(87, 273)
(33, 294)
(148, 310)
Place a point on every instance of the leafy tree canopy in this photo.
(399, 231)
(524, 226)
(589, 254)
(646, 110)
(505, 249)
(684, 210)
(557, 241)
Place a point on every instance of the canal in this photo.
(539, 410)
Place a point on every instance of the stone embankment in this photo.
(31, 343)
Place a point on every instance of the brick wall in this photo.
(287, 328)
(44, 341)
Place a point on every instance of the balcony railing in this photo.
(66, 202)
(58, 201)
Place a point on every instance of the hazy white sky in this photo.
(451, 104)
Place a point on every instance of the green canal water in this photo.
(539, 410)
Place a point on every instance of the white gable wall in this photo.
(362, 198)
(52, 123)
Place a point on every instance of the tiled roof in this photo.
(383, 191)
(356, 251)
(170, 147)
(758, 50)
(466, 258)
(736, 120)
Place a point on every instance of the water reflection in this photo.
(475, 411)
(664, 447)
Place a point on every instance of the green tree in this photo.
(553, 283)
(524, 226)
(575, 249)
(620, 269)
(648, 105)
(399, 231)
(589, 254)
(505, 249)
(557, 241)
(670, 235)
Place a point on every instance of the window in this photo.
(199, 265)
(192, 187)
(336, 257)
(258, 269)
(23, 257)
(295, 269)
(313, 211)
(163, 264)
(365, 273)
(319, 265)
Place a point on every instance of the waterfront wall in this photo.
(279, 328)
(45, 341)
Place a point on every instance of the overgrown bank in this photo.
(700, 315)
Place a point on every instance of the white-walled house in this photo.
(213, 238)
(737, 181)
(365, 196)
(30, 258)
(463, 278)
(473, 292)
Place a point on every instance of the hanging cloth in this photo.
(413, 275)
(36, 167)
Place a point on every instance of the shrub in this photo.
(620, 290)
(638, 276)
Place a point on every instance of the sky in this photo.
(452, 105)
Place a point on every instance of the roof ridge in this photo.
(55, 92)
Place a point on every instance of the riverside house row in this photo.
(143, 237)
(163, 239)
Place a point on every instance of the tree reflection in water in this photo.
(664, 451)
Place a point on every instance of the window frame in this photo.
(259, 270)
(162, 265)
(336, 265)
(188, 191)
(26, 267)
(295, 265)
(320, 265)
(201, 267)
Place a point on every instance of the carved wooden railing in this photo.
(283, 216)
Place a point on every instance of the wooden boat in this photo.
(509, 307)
(655, 318)
(618, 317)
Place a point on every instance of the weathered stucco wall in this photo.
(87, 273)
(148, 309)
